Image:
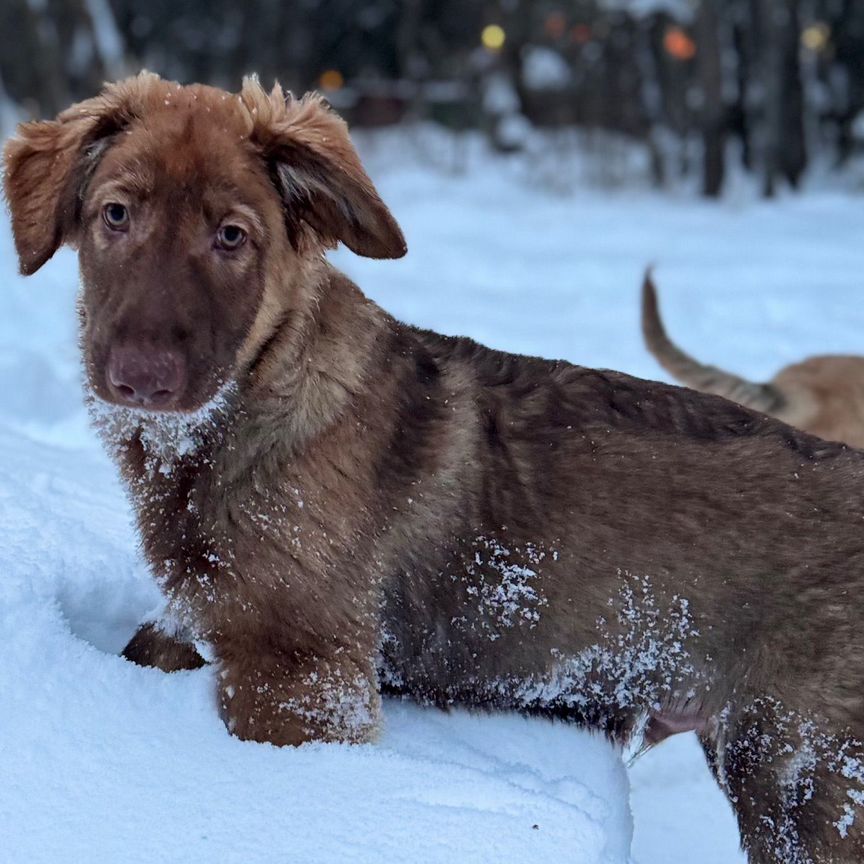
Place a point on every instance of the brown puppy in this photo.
(336, 503)
(821, 395)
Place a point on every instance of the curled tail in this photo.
(689, 371)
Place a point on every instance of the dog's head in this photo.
(193, 210)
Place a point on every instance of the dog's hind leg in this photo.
(796, 785)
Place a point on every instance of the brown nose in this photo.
(146, 377)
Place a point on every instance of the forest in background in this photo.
(702, 86)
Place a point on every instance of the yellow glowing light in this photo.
(816, 36)
(493, 37)
(332, 80)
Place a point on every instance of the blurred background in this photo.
(653, 91)
(538, 155)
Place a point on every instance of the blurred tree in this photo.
(780, 80)
(49, 53)
(711, 99)
(841, 73)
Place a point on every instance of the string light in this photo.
(555, 25)
(816, 36)
(332, 80)
(580, 34)
(678, 44)
(493, 37)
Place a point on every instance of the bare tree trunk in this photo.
(845, 79)
(740, 120)
(768, 20)
(713, 113)
(407, 45)
(793, 154)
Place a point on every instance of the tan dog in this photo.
(821, 395)
(335, 503)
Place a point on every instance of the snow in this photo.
(109, 42)
(545, 69)
(680, 9)
(499, 96)
(105, 762)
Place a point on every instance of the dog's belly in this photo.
(593, 688)
(497, 627)
(661, 725)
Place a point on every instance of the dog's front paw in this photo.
(151, 646)
(264, 699)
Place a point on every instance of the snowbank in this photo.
(107, 762)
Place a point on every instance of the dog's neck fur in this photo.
(315, 361)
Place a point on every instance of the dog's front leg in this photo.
(152, 646)
(290, 699)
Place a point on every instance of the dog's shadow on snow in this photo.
(105, 612)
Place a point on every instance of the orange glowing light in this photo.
(678, 44)
(555, 25)
(580, 34)
(332, 80)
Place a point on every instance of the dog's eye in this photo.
(116, 216)
(230, 237)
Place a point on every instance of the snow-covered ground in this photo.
(103, 761)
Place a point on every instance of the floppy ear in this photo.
(48, 163)
(319, 173)
(40, 164)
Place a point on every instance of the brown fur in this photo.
(821, 395)
(371, 506)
